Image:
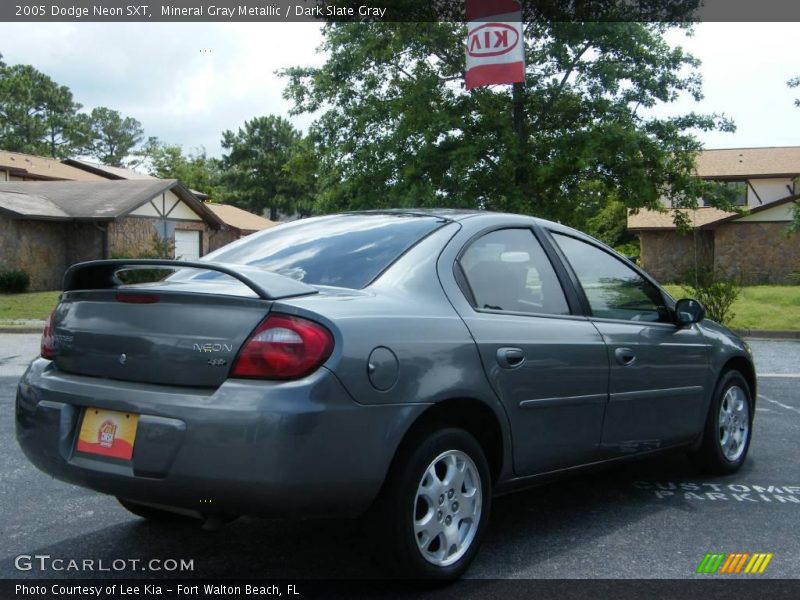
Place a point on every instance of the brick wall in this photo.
(668, 255)
(756, 252)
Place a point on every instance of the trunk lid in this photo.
(185, 330)
(181, 338)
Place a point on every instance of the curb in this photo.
(764, 334)
(22, 326)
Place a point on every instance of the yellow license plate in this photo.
(108, 433)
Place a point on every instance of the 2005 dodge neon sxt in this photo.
(403, 365)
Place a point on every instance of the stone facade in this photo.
(752, 253)
(45, 249)
(668, 255)
(133, 236)
(756, 253)
(221, 237)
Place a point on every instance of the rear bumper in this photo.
(301, 448)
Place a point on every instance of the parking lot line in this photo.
(781, 404)
(787, 375)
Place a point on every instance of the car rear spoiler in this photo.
(101, 274)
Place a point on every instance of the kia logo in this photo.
(492, 39)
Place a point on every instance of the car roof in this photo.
(459, 214)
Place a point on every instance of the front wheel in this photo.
(729, 425)
(434, 509)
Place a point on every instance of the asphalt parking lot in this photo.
(652, 519)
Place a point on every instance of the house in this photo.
(45, 226)
(751, 245)
(238, 222)
(15, 166)
(105, 171)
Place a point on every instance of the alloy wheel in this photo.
(447, 508)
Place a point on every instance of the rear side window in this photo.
(339, 250)
(507, 270)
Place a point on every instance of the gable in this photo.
(167, 205)
(780, 213)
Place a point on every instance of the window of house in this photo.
(614, 290)
(508, 270)
(739, 191)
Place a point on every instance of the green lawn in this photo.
(769, 307)
(34, 305)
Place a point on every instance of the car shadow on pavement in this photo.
(526, 528)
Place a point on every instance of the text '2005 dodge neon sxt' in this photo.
(400, 366)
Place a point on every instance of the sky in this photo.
(188, 82)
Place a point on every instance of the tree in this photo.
(266, 167)
(39, 116)
(114, 137)
(397, 128)
(793, 83)
(196, 170)
(794, 227)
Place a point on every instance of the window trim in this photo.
(667, 299)
(469, 295)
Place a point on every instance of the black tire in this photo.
(157, 515)
(392, 519)
(710, 456)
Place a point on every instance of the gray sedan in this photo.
(401, 366)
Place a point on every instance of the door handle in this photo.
(625, 356)
(510, 358)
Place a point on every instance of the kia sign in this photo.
(495, 49)
(492, 39)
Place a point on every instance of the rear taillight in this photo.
(48, 349)
(283, 347)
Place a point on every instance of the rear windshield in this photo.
(339, 250)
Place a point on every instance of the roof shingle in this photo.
(653, 220)
(750, 162)
(40, 167)
(240, 219)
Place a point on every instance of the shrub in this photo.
(716, 294)
(14, 282)
(159, 249)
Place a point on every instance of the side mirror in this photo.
(688, 311)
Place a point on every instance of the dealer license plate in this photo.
(107, 433)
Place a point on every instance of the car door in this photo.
(659, 372)
(548, 366)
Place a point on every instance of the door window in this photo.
(507, 270)
(614, 290)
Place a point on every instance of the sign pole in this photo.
(495, 51)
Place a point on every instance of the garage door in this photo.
(187, 245)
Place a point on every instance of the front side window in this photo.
(614, 290)
(507, 270)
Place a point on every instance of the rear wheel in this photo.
(729, 424)
(432, 513)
